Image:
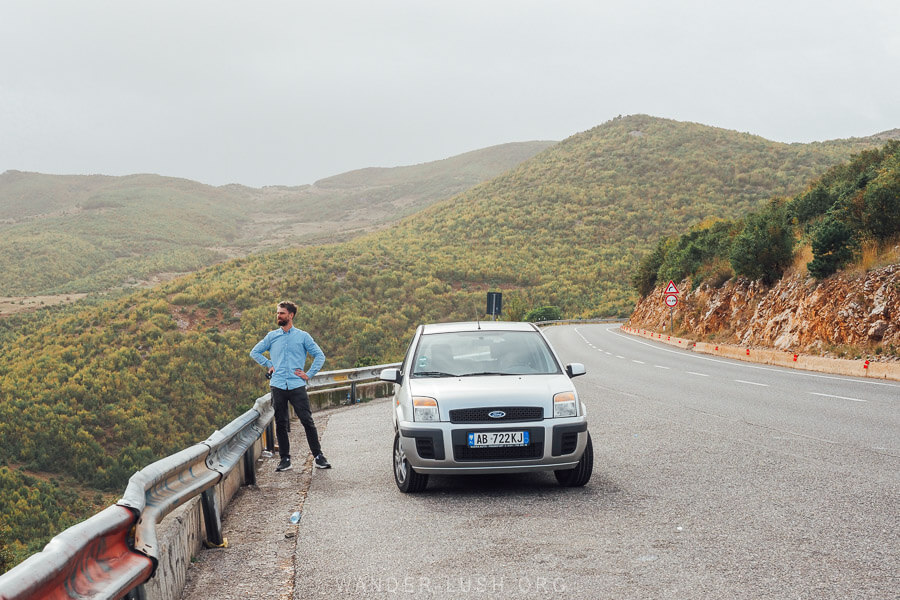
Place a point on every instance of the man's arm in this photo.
(257, 353)
(312, 348)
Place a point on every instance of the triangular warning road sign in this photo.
(671, 289)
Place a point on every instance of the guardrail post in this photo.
(138, 593)
(353, 398)
(249, 467)
(211, 517)
(270, 437)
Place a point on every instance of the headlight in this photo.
(425, 409)
(564, 405)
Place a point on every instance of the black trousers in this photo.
(299, 399)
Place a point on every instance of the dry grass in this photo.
(10, 305)
(801, 258)
(874, 256)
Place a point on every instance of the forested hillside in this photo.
(854, 208)
(67, 233)
(849, 218)
(100, 389)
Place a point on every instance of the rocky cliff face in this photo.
(797, 314)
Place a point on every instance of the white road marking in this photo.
(839, 397)
(752, 383)
(796, 372)
(695, 373)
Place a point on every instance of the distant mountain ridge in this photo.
(82, 233)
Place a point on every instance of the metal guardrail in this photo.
(113, 553)
(577, 321)
(336, 377)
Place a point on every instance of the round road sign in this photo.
(671, 300)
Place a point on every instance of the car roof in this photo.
(476, 326)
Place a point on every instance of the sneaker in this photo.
(284, 465)
(322, 462)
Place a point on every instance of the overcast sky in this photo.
(288, 92)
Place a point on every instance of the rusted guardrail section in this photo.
(113, 553)
(92, 559)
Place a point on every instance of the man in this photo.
(288, 348)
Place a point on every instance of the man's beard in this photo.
(282, 322)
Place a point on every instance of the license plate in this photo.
(497, 439)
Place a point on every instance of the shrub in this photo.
(545, 313)
(695, 251)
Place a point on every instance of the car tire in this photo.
(408, 481)
(581, 474)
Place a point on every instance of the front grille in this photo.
(568, 442)
(461, 452)
(513, 413)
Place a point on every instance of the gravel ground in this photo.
(262, 542)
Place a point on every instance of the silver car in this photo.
(487, 397)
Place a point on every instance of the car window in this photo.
(475, 353)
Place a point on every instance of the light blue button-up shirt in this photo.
(288, 350)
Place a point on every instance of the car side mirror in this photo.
(575, 369)
(391, 375)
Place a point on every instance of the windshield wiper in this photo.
(432, 374)
(485, 373)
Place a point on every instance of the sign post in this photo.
(494, 304)
(670, 297)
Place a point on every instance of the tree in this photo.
(833, 247)
(881, 202)
(811, 204)
(764, 249)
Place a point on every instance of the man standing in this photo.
(288, 347)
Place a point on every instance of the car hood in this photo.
(492, 391)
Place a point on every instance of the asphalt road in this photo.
(712, 479)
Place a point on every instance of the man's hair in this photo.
(290, 306)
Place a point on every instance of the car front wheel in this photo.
(581, 474)
(406, 477)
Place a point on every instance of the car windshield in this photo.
(482, 353)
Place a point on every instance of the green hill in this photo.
(99, 389)
(65, 233)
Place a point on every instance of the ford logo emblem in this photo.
(496, 414)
